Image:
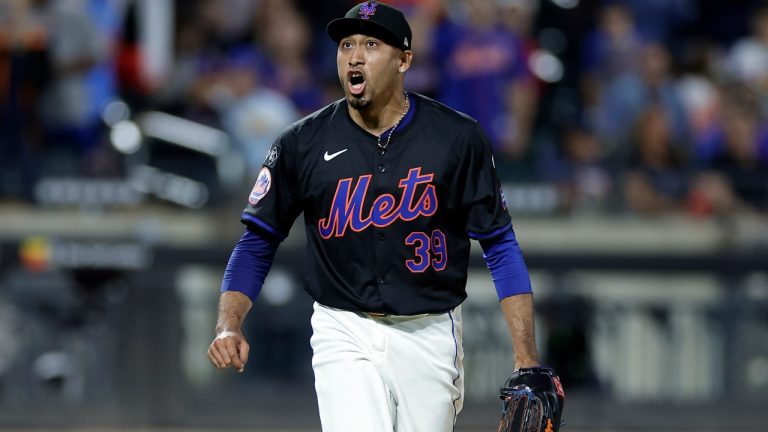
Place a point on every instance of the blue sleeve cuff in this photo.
(250, 220)
(505, 261)
(249, 264)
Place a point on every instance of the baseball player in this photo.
(392, 186)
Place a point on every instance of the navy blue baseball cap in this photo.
(376, 19)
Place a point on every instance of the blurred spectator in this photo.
(24, 70)
(232, 90)
(519, 16)
(657, 19)
(255, 120)
(285, 36)
(698, 92)
(485, 74)
(423, 75)
(82, 36)
(611, 50)
(734, 100)
(232, 20)
(579, 171)
(228, 65)
(189, 41)
(628, 95)
(737, 165)
(747, 60)
(656, 176)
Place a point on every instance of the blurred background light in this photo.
(279, 288)
(184, 133)
(546, 66)
(126, 137)
(170, 187)
(114, 112)
(53, 367)
(63, 191)
(566, 4)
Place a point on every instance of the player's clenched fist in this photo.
(229, 349)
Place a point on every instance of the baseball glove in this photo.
(533, 401)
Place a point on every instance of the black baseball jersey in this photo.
(387, 231)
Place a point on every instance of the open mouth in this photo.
(356, 83)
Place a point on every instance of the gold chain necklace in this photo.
(391, 131)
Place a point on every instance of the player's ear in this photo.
(405, 60)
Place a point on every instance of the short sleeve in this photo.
(483, 199)
(274, 201)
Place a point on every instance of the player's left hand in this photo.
(533, 401)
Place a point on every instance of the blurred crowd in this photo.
(636, 106)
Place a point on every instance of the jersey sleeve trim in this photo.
(492, 234)
(249, 219)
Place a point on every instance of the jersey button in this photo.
(380, 236)
(381, 151)
(382, 168)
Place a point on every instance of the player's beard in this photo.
(359, 103)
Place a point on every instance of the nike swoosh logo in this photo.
(328, 157)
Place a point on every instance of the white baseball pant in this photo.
(387, 373)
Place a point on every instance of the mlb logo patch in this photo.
(262, 186)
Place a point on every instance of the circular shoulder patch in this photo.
(260, 189)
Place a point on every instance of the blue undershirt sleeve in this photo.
(505, 261)
(249, 263)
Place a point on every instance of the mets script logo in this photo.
(347, 207)
(367, 10)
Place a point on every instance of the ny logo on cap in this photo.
(367, 9)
